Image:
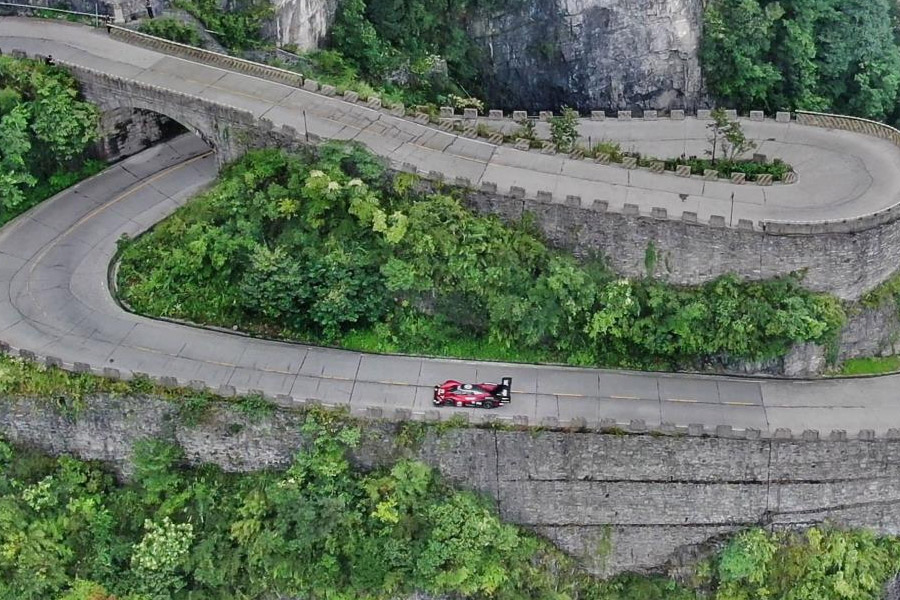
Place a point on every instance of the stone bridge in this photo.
(837, 223)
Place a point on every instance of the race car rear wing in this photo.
(504, 390)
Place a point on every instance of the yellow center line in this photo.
(741, 403)
(624, 397)
(570, 395)
(681, 400)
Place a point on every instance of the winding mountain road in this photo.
(56, 301)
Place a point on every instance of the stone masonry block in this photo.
(167, 381)
(351, 96)
(516, 192)
(495, 114)
(311, 85)
(677, 115)
(893, 434)
(624, 115)
(703, 114)
(488, 187)
(724, 431)
(409, 167)
(447, 112)
(519, 115)
(745, 224)
(545, 115)
(689, 217)
(683, 170)
(463, 182)
(651, 115)
(659, 213)
(544, 196)
(226, 391)
(470, 113)
(637, 425)
(866, 435)
(757, 115)
(631, 209)
(574, 201)
(696, 429)
(810, 435)
(550, 422)
(520, 420)
(435, 175)
(783, 116)
(716, 221)
(600, 206)
(783, 434)
(837, 435)
(112, 373)
(598, 115)
(197, 385)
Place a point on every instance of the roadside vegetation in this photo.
(326, 247)
(45, 131)
(172, 29)
(823, 55)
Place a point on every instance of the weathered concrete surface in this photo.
(619, 502)
(593, 54)
(871, 332)
(125, 132)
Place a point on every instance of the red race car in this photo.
(485, 395)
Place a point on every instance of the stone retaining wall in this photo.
(619, 502)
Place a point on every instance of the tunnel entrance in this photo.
(126, 131)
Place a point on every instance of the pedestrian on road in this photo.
(149, 9)
(49, 60)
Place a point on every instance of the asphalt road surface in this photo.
(56, 301)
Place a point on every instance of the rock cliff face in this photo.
(302, 22)
(594, 54)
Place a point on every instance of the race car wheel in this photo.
(488, 404)
(459, 404)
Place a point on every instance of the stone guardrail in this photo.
(482, 418)
(205, 56)
(862, 222)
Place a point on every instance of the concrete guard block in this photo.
(893, 434)
(328, 90)
(27, 355)
(464, 182)
(738, 178)
(683, 171)
(81, 367)
(52, 361)
(810, 435)
(696, 429)
(629, 162)
(398, 110)
(624, 115)
(668, 428)
(764, 179)
(757, 115)
(789, 177)
(112, 373)
(602, 158)
(716, 221)
(516, 192)
(782, 116)
(578, 423)
(745, 224)
(495, 115)
(488, 187)
(657, 167)
(724, 431)
(167, 381)
(403, 414)
(631, 209)
(601, 206)
(659, 213)
(520, 115)
(548, 148)
(710, 174)
(311, 85)
(544, 196)
(470, 113)
(783, 434)
(226, 391)
(703, 114)
(550, 422)
(598, 115)
(689, 217)
(435, 176)
(285, 400)
(469, 131)
(731, 114)
(651, 115)
(574, 201)
(447, 112)
(677, 114)
(421, 118)
(408, 167)
(496, 139)
(374, 412)
(4, 348)
(751, 433)
(637, 426)
(866, 435)
(374, 102)
(522, 144)
(545, 115)
(607, 424)
(837, 435)
(576, 154)
(520, 420)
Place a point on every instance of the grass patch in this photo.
(870, 365)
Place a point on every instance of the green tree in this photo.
(564, 129)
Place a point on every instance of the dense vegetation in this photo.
(172, 29)
(329, 248)
(839, 56)
(45, 130)
(238, 28)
